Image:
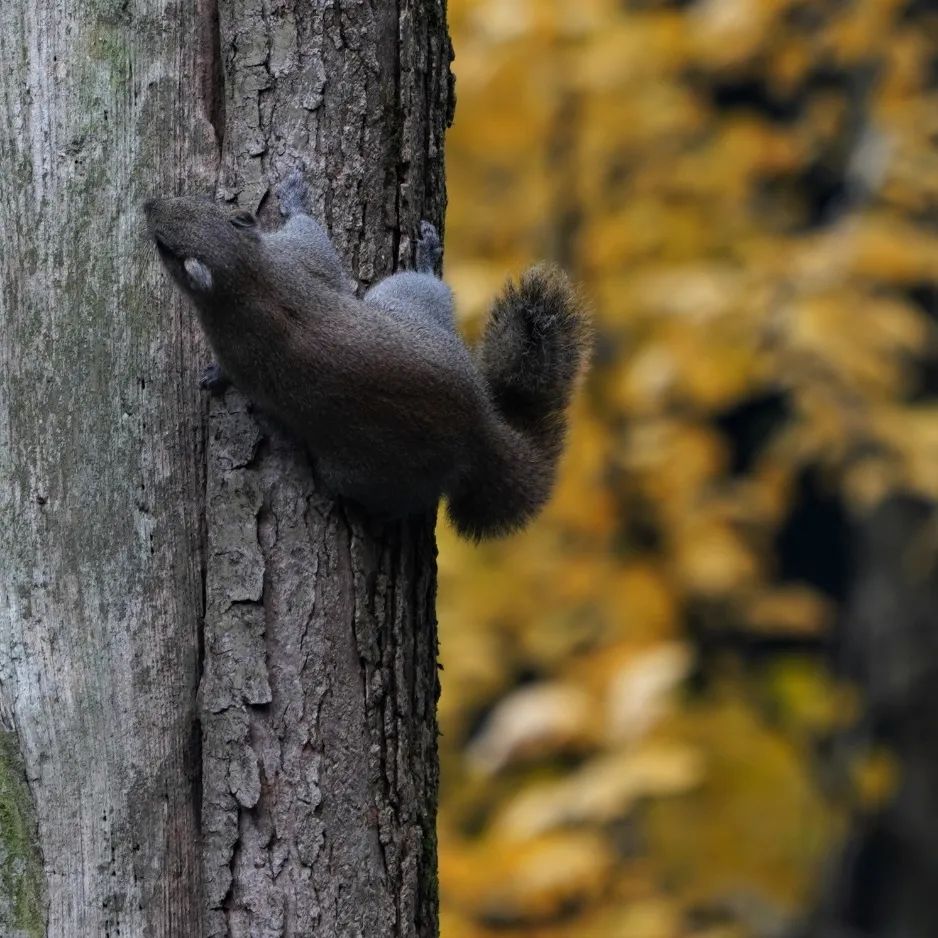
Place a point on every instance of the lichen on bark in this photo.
(22, 886)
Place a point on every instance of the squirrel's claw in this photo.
(293, 193)
(213, 379)
(429, 248)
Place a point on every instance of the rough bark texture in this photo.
(320, 681)
(319, 689)
(101, 472)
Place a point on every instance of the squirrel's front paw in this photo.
(293, 194)
(429, 248)
(213, 379)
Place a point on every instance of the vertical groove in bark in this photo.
(319, 691)
(101, 472)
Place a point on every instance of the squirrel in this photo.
(392, 407)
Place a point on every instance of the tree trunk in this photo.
(101, 476)
(884, 881)
(318, 789)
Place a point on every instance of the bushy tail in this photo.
(533, 351)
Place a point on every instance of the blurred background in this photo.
(698, 698)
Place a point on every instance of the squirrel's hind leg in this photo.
(412, 295)
(418, 293)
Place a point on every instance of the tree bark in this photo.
(883, 882)
(320, 686)
(317, 700)
(101, 473)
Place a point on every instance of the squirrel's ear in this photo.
(200, 277)
(243, 220)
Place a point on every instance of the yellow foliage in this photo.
(753, 220)
(527, 882)
(792, 610)
(532, 721)
(875, 778)
(756, 821)
(605, 789)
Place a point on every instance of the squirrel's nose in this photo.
(148, 207)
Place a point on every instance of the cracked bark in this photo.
(319, 774)
(320, 680)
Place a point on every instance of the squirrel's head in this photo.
(201, 244)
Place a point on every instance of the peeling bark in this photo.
(320, 681)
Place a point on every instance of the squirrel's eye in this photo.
(243, 220)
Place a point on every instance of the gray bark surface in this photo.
(101, 472)
(317, 796)
(320, 685)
